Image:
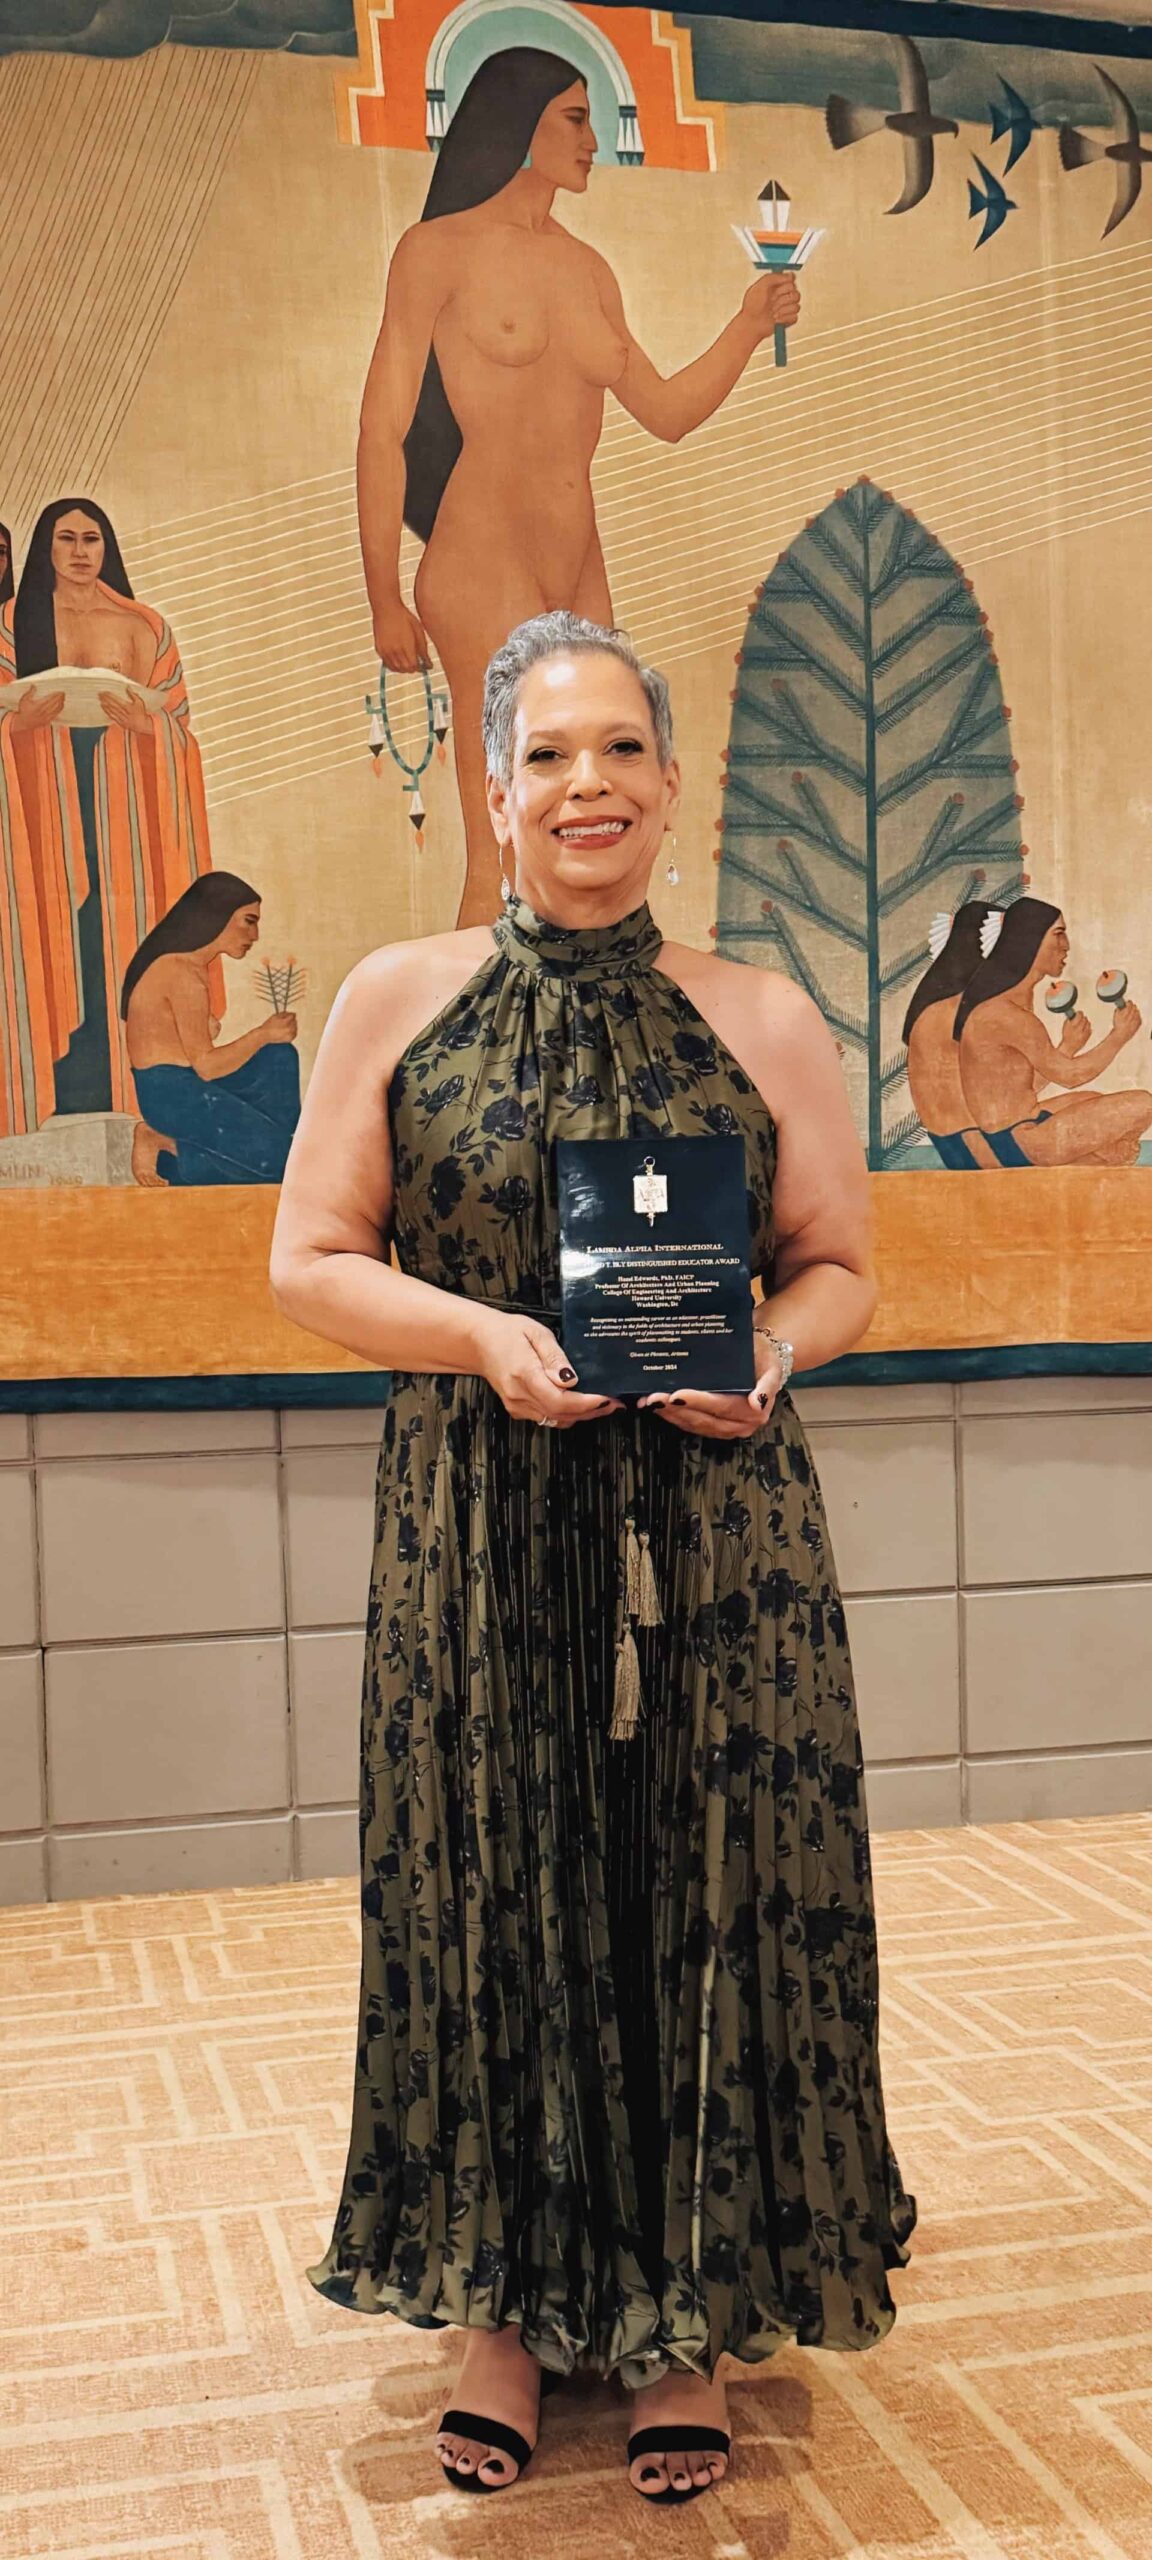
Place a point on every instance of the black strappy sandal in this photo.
(667, 2440)
(499, 2439)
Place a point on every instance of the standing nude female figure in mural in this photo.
(1008, 1059)
(485, 399)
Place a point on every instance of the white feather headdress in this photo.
(991, 930)
(938, 932)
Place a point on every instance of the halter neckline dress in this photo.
(617, 2074)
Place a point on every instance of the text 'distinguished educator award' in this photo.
(655, 1280)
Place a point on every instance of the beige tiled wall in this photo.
(182, 1601)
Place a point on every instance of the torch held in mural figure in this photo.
(774, 248)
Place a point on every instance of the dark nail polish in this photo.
(567, 1373)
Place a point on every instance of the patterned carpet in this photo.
(176, 2075)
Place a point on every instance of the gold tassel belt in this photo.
(639, 1594)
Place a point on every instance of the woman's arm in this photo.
(413, 299)
(329, 1268)
(824, 1291)
(671, 407)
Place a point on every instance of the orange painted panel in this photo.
(141, 1284)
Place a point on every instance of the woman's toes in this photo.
(458, 2453)
(681, 2471)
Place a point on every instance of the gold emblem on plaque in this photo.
(649, 1190)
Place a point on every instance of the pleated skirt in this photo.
(617, 2074)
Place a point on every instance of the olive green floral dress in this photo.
(617, 2074)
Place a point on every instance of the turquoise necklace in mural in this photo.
(437, 716)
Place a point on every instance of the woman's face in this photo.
(240, 932)
(564, 145)
(589, 802)
(77, 550)
(1053, 952)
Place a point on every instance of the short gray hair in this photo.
(559, 635)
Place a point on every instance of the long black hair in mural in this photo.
(193, 921)
(487, 141)
(949, 973)
(34, 619)
(1027, 922)
(870, 780)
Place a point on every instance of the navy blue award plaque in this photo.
(655, 1279)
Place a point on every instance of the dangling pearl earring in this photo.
(672, 873)
(505, 884)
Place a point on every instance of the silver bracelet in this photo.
(783, 1350)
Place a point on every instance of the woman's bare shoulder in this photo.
(741, 987)
(394, 965)
(393, 991)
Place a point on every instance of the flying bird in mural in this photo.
(1128, 155)
(914, 122)
(1015, 117)
(994, 204)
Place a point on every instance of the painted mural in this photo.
(812, 356)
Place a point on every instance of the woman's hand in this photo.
(772, 302)
(280, 1026)
(1127, 1024)
(532, 1375)
(36, 709)
(722, 1417)
(1076, 1032)
(126, 711)
(401, 642)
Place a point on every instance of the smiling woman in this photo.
(616, 1985)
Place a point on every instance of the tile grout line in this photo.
(42, 1654)
(961, 1610)
(286, 1614)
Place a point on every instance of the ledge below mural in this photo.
(996, 1278)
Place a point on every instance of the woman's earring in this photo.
(505, 883)
(672, 873)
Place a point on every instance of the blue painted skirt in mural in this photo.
(235, 1128)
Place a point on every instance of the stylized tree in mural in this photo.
(870, 779)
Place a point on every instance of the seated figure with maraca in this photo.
(1009, 1060)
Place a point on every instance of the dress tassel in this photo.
(628, 1698)
(648, 1606)
(631, 1567)
(642, 1602)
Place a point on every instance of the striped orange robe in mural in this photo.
(151, 843)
